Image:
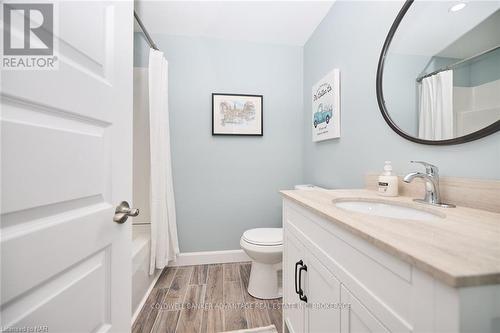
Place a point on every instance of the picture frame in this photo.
(325, 94)
(237, 114)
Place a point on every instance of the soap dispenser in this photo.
(388, 182)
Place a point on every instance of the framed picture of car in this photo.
(326, 107)
(237, 114)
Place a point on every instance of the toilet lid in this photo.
(264, 236)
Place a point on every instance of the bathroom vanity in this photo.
(350, 271)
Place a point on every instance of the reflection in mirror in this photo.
(441, 77)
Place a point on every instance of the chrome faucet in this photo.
(431, 179)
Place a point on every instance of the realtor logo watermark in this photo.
(28, 36)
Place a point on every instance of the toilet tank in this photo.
(308, 187)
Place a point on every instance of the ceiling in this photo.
(428, 28)
(484, 36)
(277, 22)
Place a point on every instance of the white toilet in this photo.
(265, 247)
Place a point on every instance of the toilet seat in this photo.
(264, 236)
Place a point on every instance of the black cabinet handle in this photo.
(297, 264)
(302, 297)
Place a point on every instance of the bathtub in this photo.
(142, 282)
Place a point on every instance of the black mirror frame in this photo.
(490, 129)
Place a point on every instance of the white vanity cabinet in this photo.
(381, 292)
(302, 271)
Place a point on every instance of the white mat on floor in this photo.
(267, 329)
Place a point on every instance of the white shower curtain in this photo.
(164, 241)
(436, 107)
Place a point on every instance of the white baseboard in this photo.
(210, 257)
(146, 295)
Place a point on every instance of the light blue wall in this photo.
(473, 73)
(350, 38)
(399, 83)
(225, 185)
(461, 74)
(485, 69)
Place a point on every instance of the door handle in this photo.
(123, 211)
(297, 264)
(302, 297)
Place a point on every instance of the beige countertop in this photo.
(462, 248)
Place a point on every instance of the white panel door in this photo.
(66, 153)
(293, 312)
(323, 297)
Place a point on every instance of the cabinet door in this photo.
(293, 310)
(323, 298)
(356, 317)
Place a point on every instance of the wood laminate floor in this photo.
(205, 299)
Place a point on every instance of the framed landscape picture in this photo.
(237, 114)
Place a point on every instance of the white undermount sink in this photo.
(387, 209)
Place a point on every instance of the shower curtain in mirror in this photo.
(164, 241)
(436, 107)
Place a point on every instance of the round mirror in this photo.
(438, 79)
